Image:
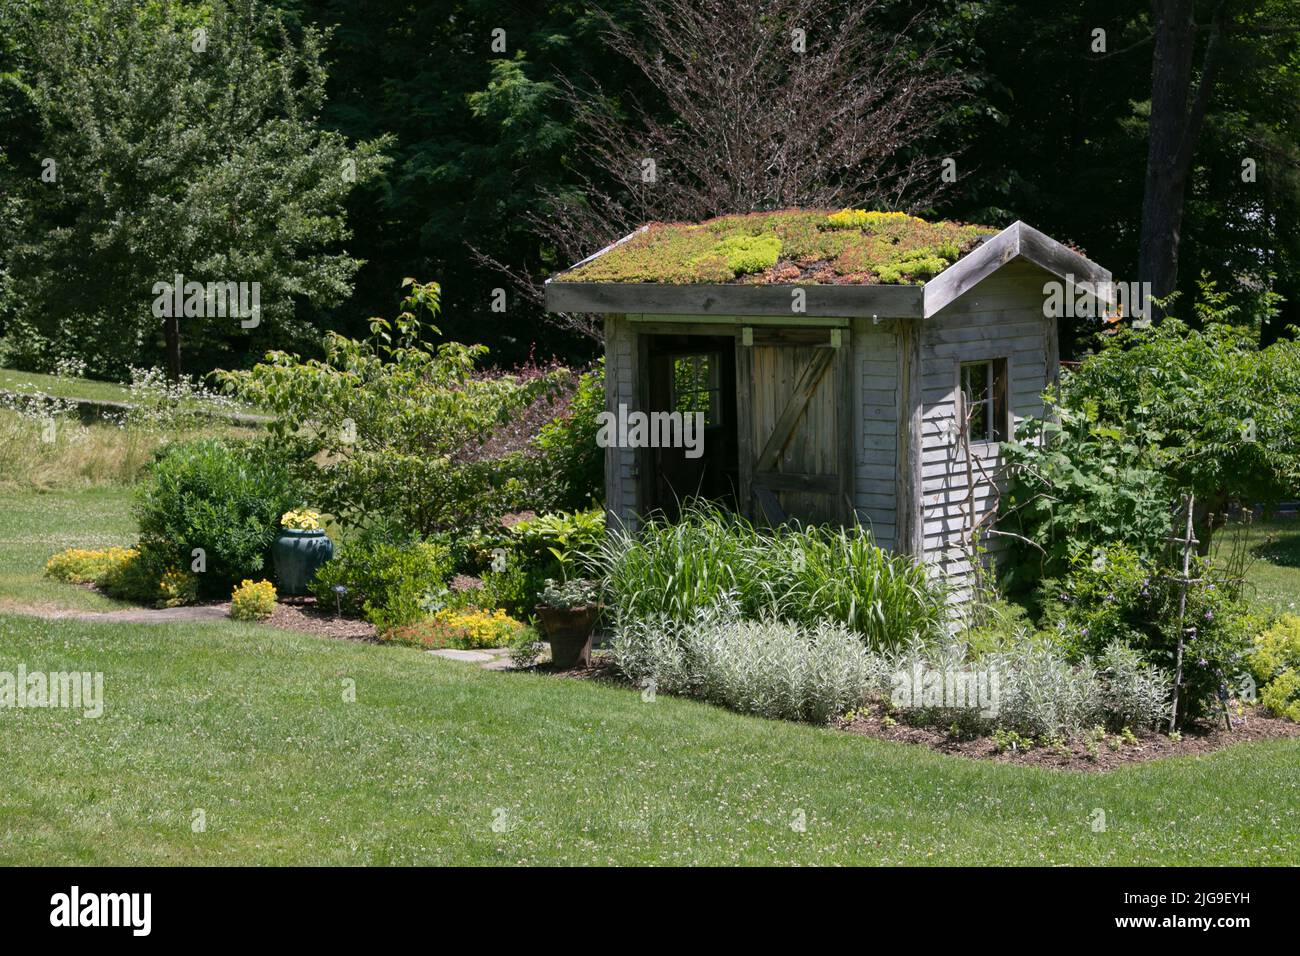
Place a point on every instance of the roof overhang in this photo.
(1017, 241)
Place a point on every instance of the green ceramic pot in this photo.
(297, 556)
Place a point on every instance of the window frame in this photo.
(713, 357)
(998, 417)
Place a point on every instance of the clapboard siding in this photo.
(620, 388)
(1001, 318)
(877, 403)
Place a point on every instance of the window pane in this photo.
(976, 386)
(696, 387)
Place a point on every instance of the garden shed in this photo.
(851, 366)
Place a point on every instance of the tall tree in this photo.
(175, 140)
(755, 104)
(1179, 100)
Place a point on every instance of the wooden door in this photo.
(795, 411)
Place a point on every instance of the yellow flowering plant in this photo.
(461, 628)
(301, 519)
(252, 600)
(85, 565)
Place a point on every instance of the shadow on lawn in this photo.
(1281, 547)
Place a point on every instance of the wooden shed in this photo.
(849, 366)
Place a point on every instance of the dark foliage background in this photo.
(1047, 130)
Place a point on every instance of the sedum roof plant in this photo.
(853, 246)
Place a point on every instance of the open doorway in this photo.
(692, 374)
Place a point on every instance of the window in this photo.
(984, 399)
(696, 386)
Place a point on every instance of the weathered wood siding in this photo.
(621, 385)
(877, 402)
(1001, 318)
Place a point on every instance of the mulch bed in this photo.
(1202, 738)
(601, 668)
(303, 615)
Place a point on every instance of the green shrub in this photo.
(515, 589)
(252, 600)
(387, 582)
(221, 496)
(515, 562)
(135, 578)
(996, 625)
(573, 462)
(711, 558)
(1074, 486)
(1282, 695)
(1277, 648)
(1116, 595)
(1159, 411)
(399, 425)
(559, 542)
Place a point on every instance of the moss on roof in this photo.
(792, 246)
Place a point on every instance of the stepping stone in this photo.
(478, 657)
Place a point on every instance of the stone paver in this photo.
(490, 658)
(480, 657)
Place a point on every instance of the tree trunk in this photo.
(172, 335)
(1174, 128)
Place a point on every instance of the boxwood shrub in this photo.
(219, 495)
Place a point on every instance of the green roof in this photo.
(795, 246)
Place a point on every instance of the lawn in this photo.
(252, 727)
(439, 762)
(61, 386)
(95, 390)
(34, 525)
(1275, 550)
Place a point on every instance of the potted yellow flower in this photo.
(300, 550)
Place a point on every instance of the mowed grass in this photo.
(251, 732)
(1275, 572)
(230, 743)
(35, 525)
(61, 386)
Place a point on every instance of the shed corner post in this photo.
(908, 485)
(620, 382)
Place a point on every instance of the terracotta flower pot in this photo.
(569, 632)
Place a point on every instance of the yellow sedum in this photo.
(462, 628)
(867, 219)
(85, 566)
(252, 600)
